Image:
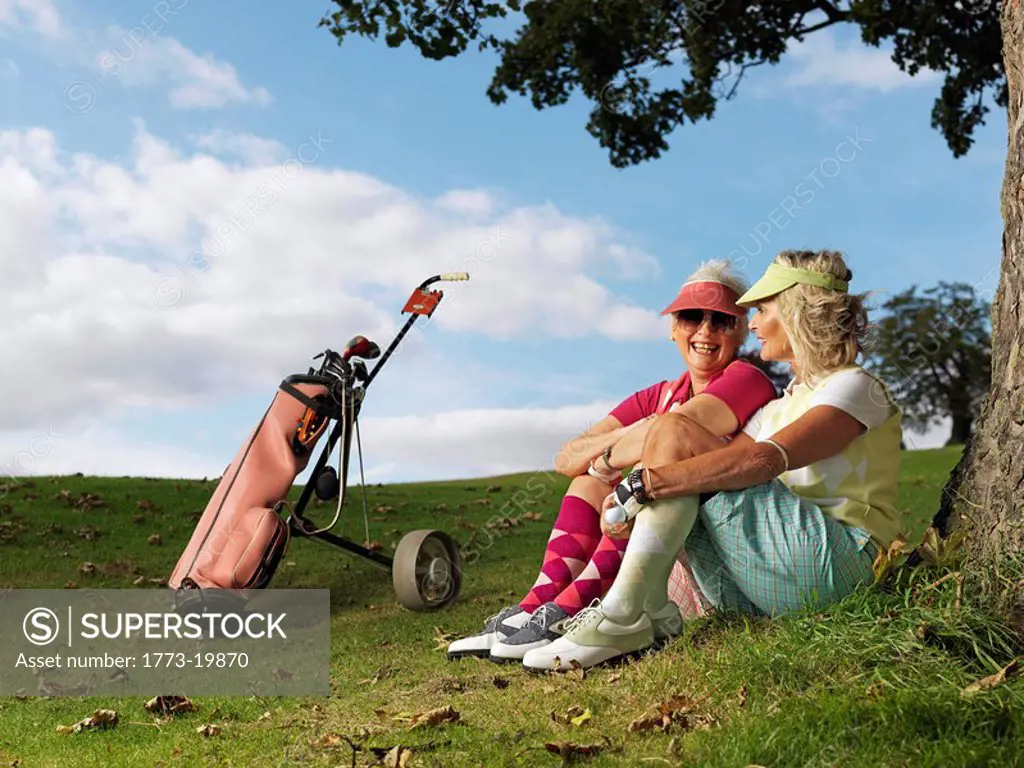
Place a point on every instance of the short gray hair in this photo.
(721, 271)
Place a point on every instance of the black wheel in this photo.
(426, 570)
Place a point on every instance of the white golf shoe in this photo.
(591, 638)
(506, 623)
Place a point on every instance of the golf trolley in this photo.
(242, 535)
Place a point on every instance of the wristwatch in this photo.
(635, 484)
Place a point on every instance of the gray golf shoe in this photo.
(506, 623)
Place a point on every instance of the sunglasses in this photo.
(692, 319)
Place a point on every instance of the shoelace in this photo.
(541, 620)
(585, 616)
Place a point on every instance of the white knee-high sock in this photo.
(659, 532)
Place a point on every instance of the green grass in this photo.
(874, 680)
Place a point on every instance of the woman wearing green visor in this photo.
(792, 512)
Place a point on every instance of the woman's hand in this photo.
(616, 530)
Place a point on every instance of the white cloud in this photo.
(935, 436)
(197, 81)
(247, 147)
(172, 277)
(821, 60)
(443, 445)
(39, 15)
(144, 55)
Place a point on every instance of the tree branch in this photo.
(833, 14)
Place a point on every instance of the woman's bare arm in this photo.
(707, 410)
(576, 454)
(820, 433)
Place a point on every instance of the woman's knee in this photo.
(670, 439)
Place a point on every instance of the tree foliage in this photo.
(779, 373)
(935, 352)
(608, 50)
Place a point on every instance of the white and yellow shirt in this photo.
(860, 485)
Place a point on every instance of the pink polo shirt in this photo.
(740, 385)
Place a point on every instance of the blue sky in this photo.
(122, 151)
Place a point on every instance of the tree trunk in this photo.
(984, 495)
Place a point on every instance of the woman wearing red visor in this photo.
(717, 390)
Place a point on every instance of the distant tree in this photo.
(935, 351)
(779, 373)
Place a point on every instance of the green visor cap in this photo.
(778, 278)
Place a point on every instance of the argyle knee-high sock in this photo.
(573, 539)
(658, 534)
(595, 579)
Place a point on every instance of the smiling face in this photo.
(707, 348)
(766, 323)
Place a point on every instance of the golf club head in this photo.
(359, 370)
(360, 346)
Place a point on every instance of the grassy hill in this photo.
(875, 680)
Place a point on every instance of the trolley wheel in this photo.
(426, 570)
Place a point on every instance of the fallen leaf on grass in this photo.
(401, 753)
(575, 715)
(500, 683)
(429, 718)
(89, 532)
(101, 718)
(532, 516)
(577, 670)
(569, 751)
(169, 705)
(145, 505)
(886, 561)
(155, 540)
(679, 709)
(208, 730)
(398, 757)
(743, 696)
(327, 741)
(992, 681)
(442, 638)
(88, 501)
(87, 569)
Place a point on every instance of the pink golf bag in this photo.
(241, 536)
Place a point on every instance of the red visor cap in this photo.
(707, 294)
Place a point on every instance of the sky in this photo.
(196, 199)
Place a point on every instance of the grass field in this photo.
(875, 680)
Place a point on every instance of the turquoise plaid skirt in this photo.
(764, 550)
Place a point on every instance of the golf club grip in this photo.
(453, 276)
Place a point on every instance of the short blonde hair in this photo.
(827, 328)
(722, 271)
